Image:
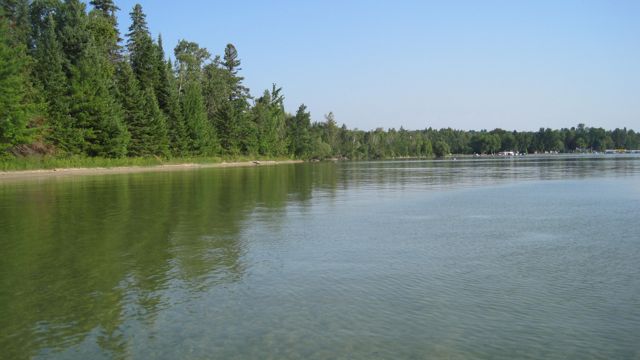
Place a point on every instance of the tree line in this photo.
(71, 84)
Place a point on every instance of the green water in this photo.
(483, 259)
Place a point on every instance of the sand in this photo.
(35, 174)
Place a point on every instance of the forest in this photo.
(72, 85)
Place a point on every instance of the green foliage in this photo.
(50, 77)
(16, 14)
(269, 118)
(441, 149)
(145, 122)
(200, 135)
(169, 102)
(15, 108)
(73, 34)
(107, 7)
(67, 86)
(298, 133)
(227, 123)
(98, 115)
(485, 143)
(142, 52)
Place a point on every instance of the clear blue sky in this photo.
(463, 64)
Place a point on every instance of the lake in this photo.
(525, 258)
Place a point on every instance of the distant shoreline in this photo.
(64, 172)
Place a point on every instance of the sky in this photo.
(464, 64)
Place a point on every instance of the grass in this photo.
(51, 162)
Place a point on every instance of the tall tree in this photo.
(270, 120)
(176, 127)
(298, 127)
(231, 120)
(107, 7)
(202, 137)
(143, 117)
(169, 103)
(16, 13)
(149, 137)
(142, 51)
(97, 113)
(14, 102)
(50, 76)
(232, 64)
(105, 27)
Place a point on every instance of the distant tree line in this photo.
(71, 85)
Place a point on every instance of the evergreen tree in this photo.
(144, 120)
(16, 13)
(176, 127)
(169, 103)
(39, 13)
(74, 35)
(158, 140)
(97, 113)
(105, 27)
(142, 51)
(201, 139)
(201, 136)
(162, 85)
(228, 127)
(15, 107)
(54, 85)
(232, 64)
(298, 132)
(230, 123)
(131, 98)
(107, 7)
(270, 119)
(149, 137)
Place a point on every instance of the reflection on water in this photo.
(363, 260)
(82, 258)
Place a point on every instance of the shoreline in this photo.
(64, 172)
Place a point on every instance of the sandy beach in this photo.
(34, 174)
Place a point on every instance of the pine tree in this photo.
(298, 128)
(97, 113)
(157, 142)
(144, 120)
(142, 51)
(230, 120)
(270, 120)
(39, 12)
(169, 103)
(132, 101)
(201, 138)
(176, 129)
(74, 36)
(54, 85)
(17, 14)
(15, 107)
(228, 127)
(107, 7)
(162, 85)
(232, 64)
(104, 26)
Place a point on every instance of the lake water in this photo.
(530, 258)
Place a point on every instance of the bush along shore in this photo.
(75, 92)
